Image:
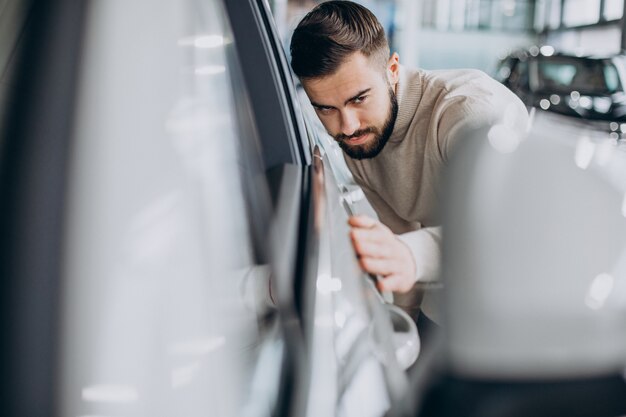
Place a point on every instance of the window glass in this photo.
(611, 78)
(457, 14)
(484, 14)
(613, 9)
(588, 76)
(540, 15)
(554, 13)
(477, 14)
(581, 12)
(428, 13)
(511, 15)
(472, 18)
(519, 75)
(557, 73)
(442, 14)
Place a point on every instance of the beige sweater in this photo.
(436, 110)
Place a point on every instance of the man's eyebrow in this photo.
(314, 104)
(357, 95)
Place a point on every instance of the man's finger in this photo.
(362, 221)
(368, 235)
(379, 266)
(396, 283)
(366, 248)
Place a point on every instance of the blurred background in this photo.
(436, 34)
(173, 219)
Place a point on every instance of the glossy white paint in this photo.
(535, 256)
(155, 322)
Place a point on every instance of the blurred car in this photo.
(583, 87)
(174, 239)
(535, 276)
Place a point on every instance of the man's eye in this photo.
(360, 99)
(324, 109)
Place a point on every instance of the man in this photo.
(397, 127)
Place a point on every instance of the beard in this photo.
(381, 135)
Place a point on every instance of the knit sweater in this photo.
(436, 110)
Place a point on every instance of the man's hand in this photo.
(380, 252)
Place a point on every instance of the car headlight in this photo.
(585, 102)
(602, 104)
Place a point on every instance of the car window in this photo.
(503, 71)
(266, 74)
(611, 77)
(556, 73)
(588, 76)
(519, 75)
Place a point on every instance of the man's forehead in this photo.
(355, 74)
(334, 90)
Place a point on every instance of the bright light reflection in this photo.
(508, 7)
(555, 99)
(503, 139)
(575, 95)
(325, 320)
(613, 126)
(584, 152)
(210, 70)
(544, 104)
(197, 347)
(110, 393)
(603, 154)
(585, 102)
(183, 375)
(327, 284)
(599, 291)
(547, 50)
(202, 41)
(603, 105)
(340, 319)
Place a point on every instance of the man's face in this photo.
(357, 104)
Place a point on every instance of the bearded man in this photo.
(397, 127)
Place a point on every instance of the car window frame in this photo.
(33, 164)
(265, 70)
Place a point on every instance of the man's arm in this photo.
(401, 260)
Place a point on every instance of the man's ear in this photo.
(393, 69)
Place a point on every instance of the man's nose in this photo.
(349, 122)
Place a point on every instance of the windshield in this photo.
(587, 76)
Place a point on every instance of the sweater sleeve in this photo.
(482, 103)
(425, 245)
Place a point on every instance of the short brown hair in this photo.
(332, 31)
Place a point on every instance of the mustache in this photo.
(361, 132)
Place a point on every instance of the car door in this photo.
(348, 329)
(136, 215)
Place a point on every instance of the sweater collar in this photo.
(409, 93)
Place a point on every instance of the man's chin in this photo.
(360, 151)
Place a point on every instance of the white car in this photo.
(174, 241)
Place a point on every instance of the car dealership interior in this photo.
(177, 233)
